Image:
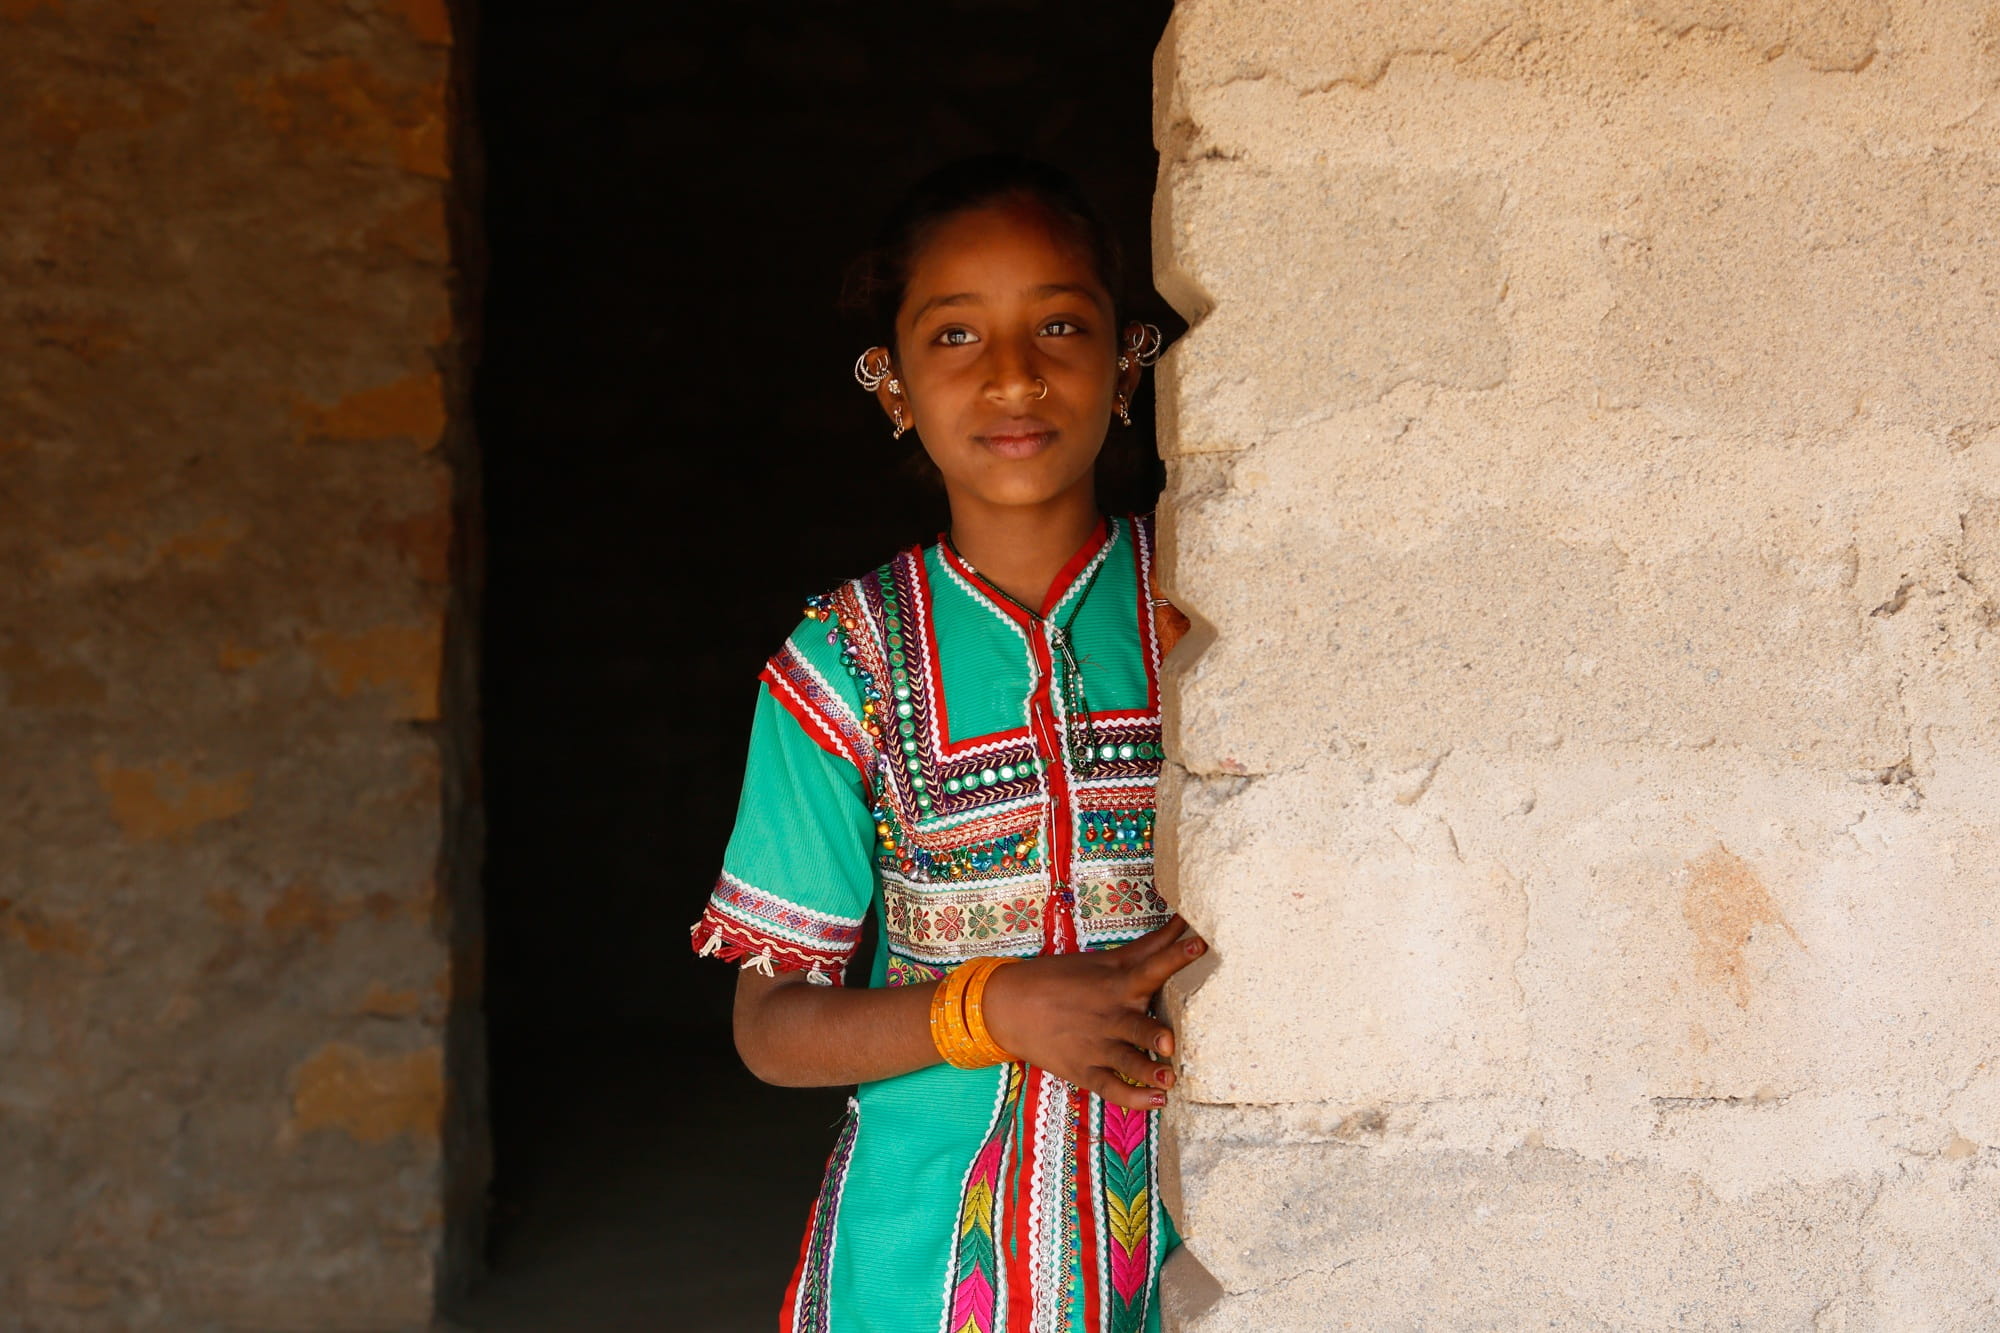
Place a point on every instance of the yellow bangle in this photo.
(948, 1031)
(975, 1012)
(958, 1016)
(945, 1006)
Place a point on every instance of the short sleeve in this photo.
(798, 875)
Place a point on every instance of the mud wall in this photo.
(238, 853)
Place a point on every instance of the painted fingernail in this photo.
(1158, 1099)
(1194, 948)
(1163, 1077)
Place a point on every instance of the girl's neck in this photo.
(1022, 549)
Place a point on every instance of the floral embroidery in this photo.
(950, 923)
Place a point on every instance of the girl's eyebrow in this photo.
(974, 298)
(956, 298)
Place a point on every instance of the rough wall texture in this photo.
(237, 844)
(1585, 473)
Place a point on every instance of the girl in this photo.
(966, 742)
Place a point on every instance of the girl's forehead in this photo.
(1001, 250)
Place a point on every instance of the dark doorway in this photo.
(675, 455)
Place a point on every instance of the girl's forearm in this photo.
(804, 1036)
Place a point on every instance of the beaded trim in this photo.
(960, 826)
(929, 777)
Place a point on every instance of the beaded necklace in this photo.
(1081, 742)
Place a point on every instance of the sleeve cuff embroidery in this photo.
(745, 925)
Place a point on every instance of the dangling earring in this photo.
(1124, 411)
(896, 414)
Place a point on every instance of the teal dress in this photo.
(982, 779)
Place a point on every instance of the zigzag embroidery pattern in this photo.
(975, 1286)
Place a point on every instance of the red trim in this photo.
(819, 729)
(788, 1313)
(1057, 588)
(934, 705)
(1143, 557)
(933, 682)
(1089, 1184)
(1018, 1250)
(1059, 933)
(1067, 574)
(718, 935)
(933, 674)
(978, 581)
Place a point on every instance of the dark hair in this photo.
(877, 278)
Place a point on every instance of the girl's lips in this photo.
(1018, 438)
(1017, 444)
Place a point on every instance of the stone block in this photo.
(1587, 745)
(1395, 277)
(1329, 1235)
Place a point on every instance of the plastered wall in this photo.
(238, 844)
(1585, 477)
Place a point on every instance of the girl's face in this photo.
(1008, 356)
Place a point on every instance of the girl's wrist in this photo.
(1002, 1005)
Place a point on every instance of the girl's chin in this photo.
(990, 476)
(1018, 492)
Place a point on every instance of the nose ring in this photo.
(1045, 388)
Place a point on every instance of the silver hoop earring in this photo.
(1045, 388)
(1146, 345)
(897, 417)
(868, 376)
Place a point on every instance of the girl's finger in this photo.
(1118, 1092)
(1133, 1064)
(1147, 1034)
(1150, 943)
(1153, 972)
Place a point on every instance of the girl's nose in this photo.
(1014, 380)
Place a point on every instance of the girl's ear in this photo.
(889, 390)
(1129, 366)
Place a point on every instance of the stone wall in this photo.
(1585, 474)
(238, 962)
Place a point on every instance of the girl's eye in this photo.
(956, 337)
(1060, 327)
